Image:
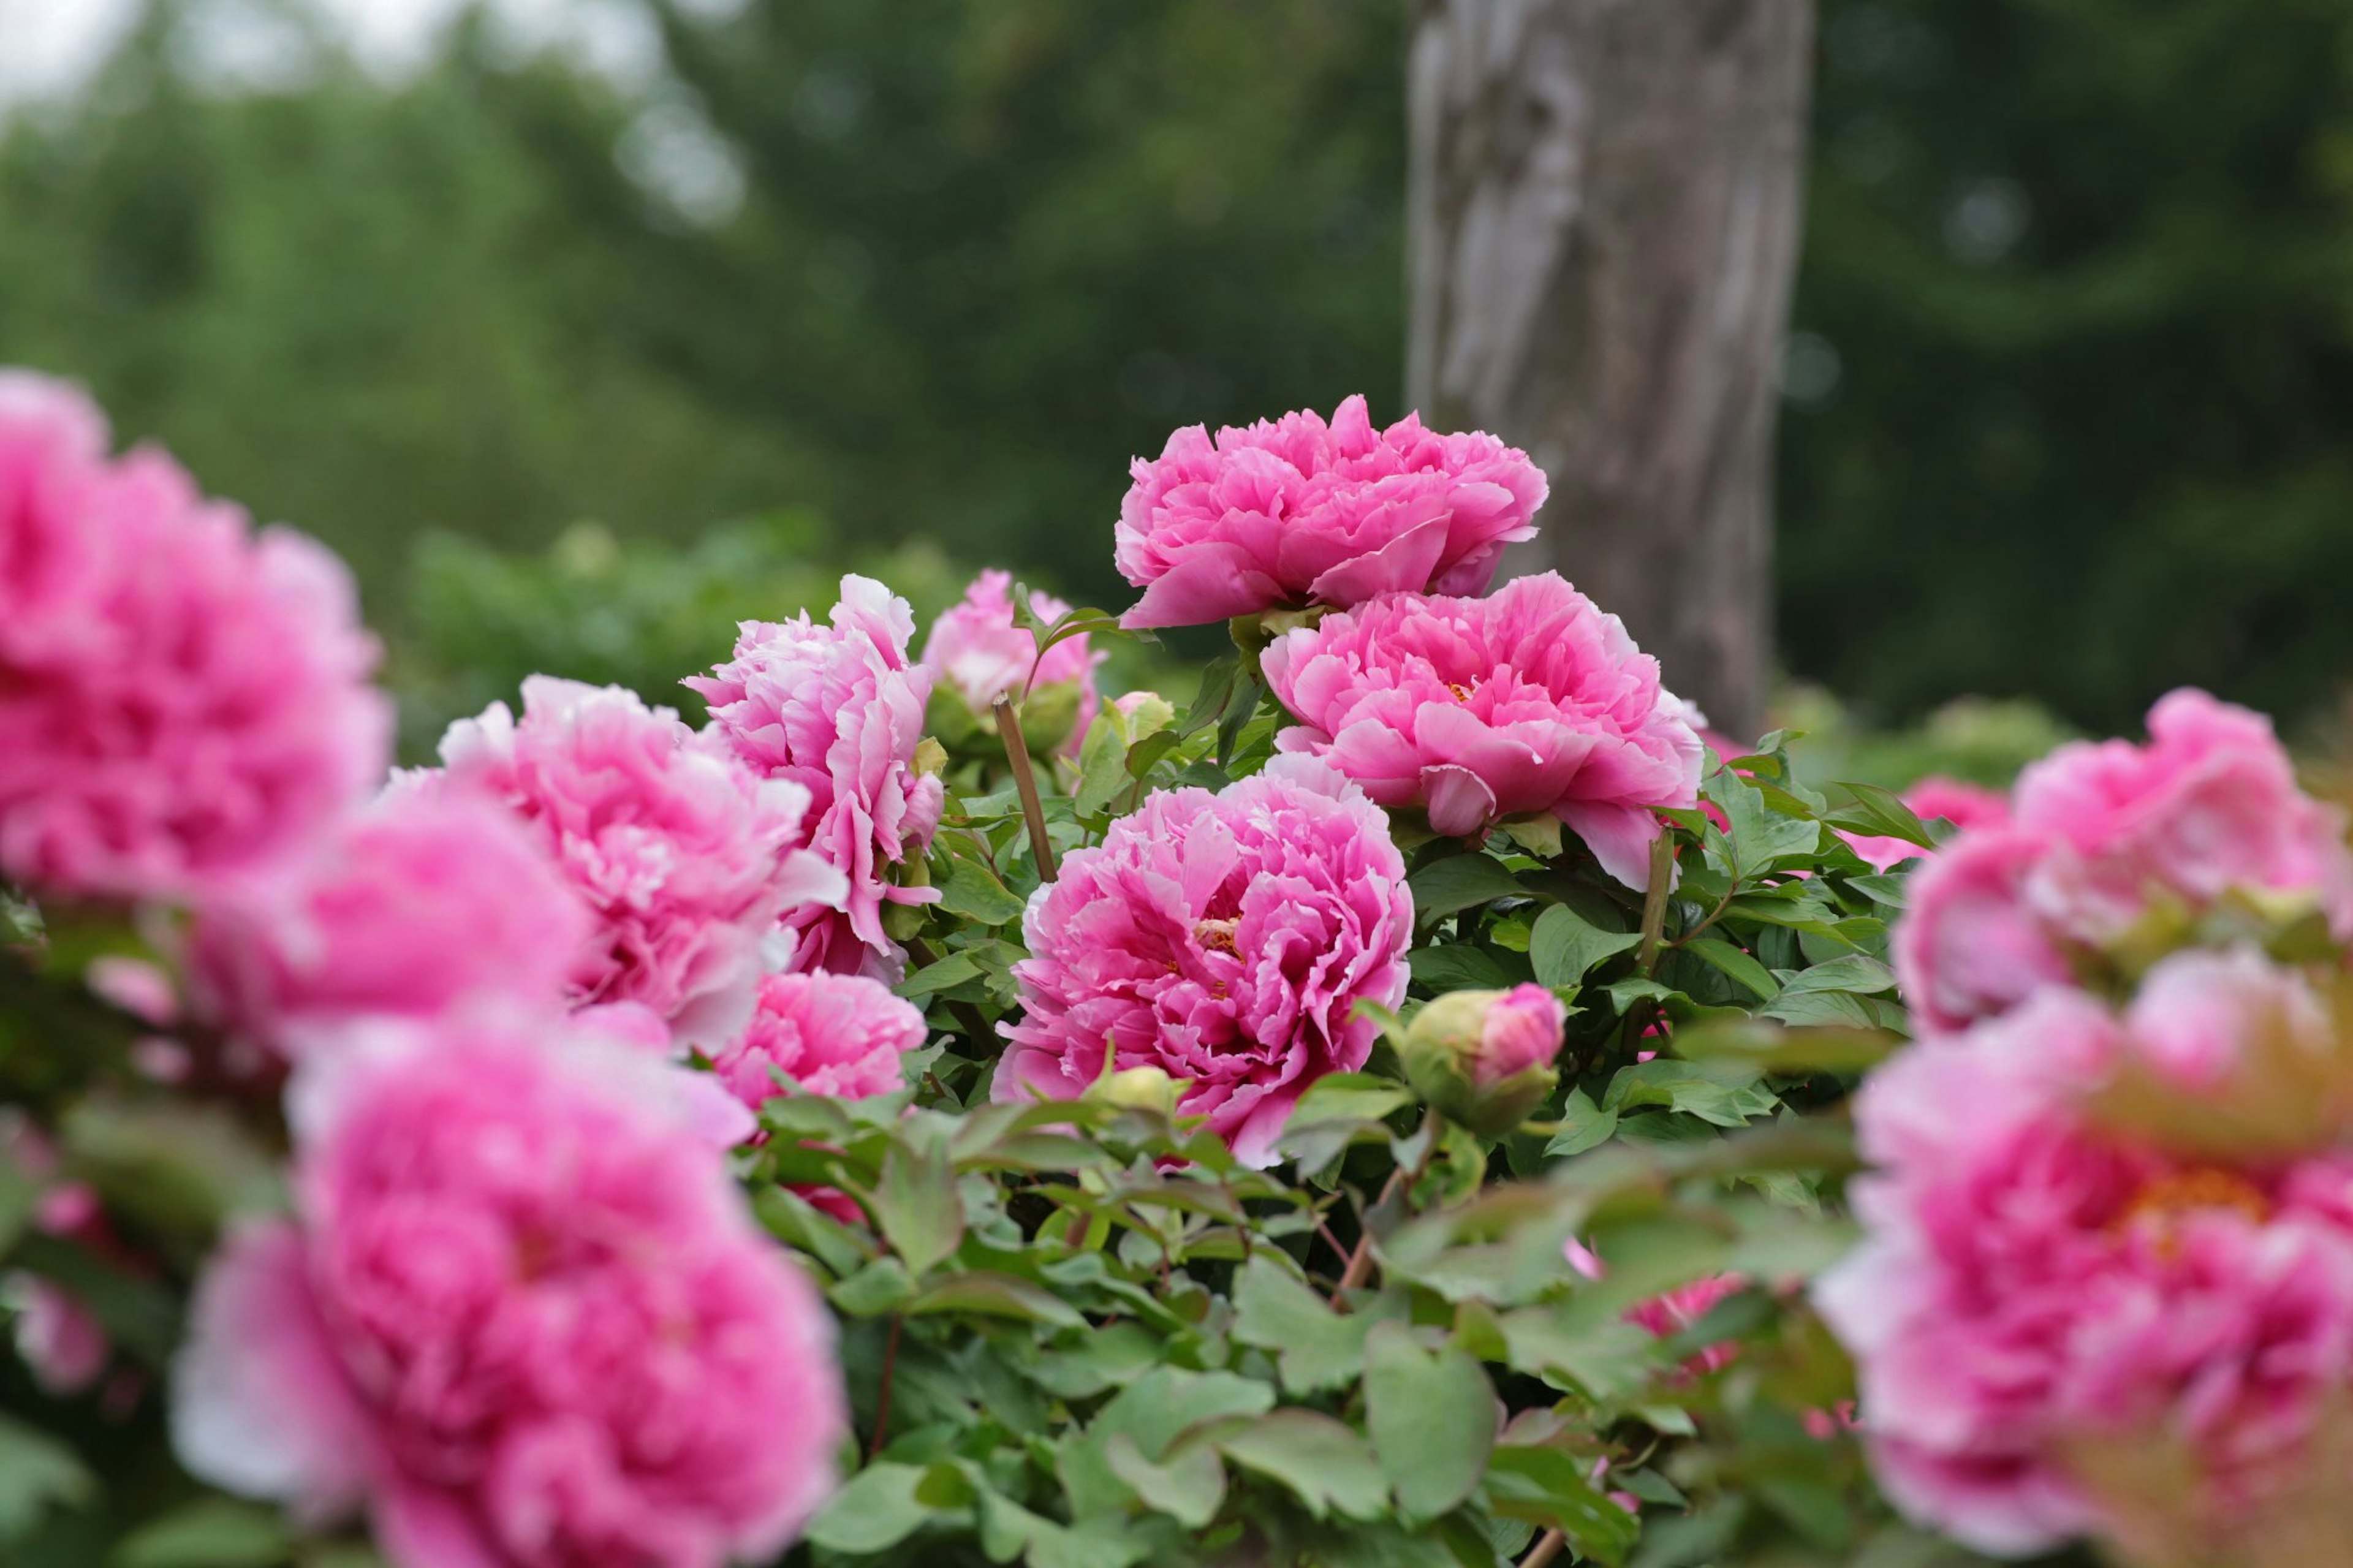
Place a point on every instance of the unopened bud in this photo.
(1139, 1088)
(1483, 1059)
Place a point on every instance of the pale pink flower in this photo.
(1225, 939)
(521, 1315)
(838, 711)
(977, 649)
(837, 1035)
(423, 901)
(181, 698)
(1934, 799)
(1529, 701)
(2031, 1285)
(1297, 512)
(2103, 834)
(685, 859)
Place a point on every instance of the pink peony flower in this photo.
(417, 904)
(1225, 939)
(1932, 799)
(1522, 1030)
(838, 711)
(1669, 1314)
(976, 647)
(521, 1314)
(1298, 512)
(2031, 1285)
(838, 1034)
(181, 698)
(1529, 701)
(684, 857)
(2105, 834)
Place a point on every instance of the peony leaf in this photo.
(917, 1206)
(1432, 1420)
(213, 1532)
(972, 891)
(1327, 1465)
(1563, 946)
(1549, 1487)
(875, 1509)
(37, 1473)
(1316, 1347)
(1460, 882)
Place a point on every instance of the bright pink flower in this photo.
(976, 647)
(421, 901)
(685, 859)
(2031, 1284)
(1932, 799)
(181, 698)
(838, 1034)
(2103, 834)
(1299, 512)
(1225, 939)
(838, 711)
(1522, 1030)
(521, 1314)
(1669, 1314)
(1531, 700)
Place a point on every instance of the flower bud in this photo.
(1483, 1059)
(1139, 1088)
(1147, 713)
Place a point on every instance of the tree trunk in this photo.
(1604, 221)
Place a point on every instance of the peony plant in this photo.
(1422, 1100)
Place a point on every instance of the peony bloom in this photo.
(838, 711)
(1669, 1314)
(1934, 798)
(684, 857)
(1298, 512)
(521, 1314)
(181, 698)
(2105, 834)
(978, 650)
(2038, 1285)
(421, 902)
(1485, 1058)
(1529, 701)
(1225, 939)
(838, 1034)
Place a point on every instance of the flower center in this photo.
(2167, 1199)
(1462, 692)
(1216, 936)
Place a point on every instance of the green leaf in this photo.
(1103, 763)
(1458, 967)
(917, 1206)
(1350, 1096)
(1565, 946)
(940, 976)
(1190, 1487)
(1316, 1347)
(876, 1509)
(1327, 1465)
(995, 1295)
(1740, 967)
(971, 892)
(1583, 1125)
(1881, 813)
(1432, 1420)
(1547, 1486)
(1855, 973)
(37, 1473)
(1460, 882)
(1724, 1093)
(213, 1532)
(881, 1285)
(1821, 1009)
(1770, 1049)
(1151, 1411)
(19, 1195)
(1759, 837)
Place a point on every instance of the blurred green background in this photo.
(583, 327)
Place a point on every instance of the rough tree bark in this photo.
(1604, 222)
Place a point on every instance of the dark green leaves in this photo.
(1432, 1420)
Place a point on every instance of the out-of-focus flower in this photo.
(1934, 798)
(1529, 701)
(684, 856)
(1296, 512)
(521, 1315)
(2038, 1282)
(419, 902)
(181, 698)
(838, 1034)
(1225, 939)
(1485, 1058)
(980, 655)
(838, 710)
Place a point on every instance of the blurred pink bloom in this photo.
(684, 857)
(838, 1034)
(1225, 939)
(2029, 1284)
(2103, 835)
(1531, 700)
(1669, 1314)
(1297, 512)
(1932, 799)
(521, 1315)
(838, 711)
(422, 900)
(976, 647)
(181, 698)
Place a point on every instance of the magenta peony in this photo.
(2105, 834)
(976, 647)
(1298, 512)
(838, 711)
(181, 698)
(1225, 939)
(839, 1035)
(2034, 1284)
(417, 904)
(1529, 701)
(684, 857)
(1934, 799)
(521, 1314)
(1522, 1030)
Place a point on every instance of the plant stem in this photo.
(1360, 1262)
(1547, 1548)
(1033, 810)
(1654, 900)
(883, 1400)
